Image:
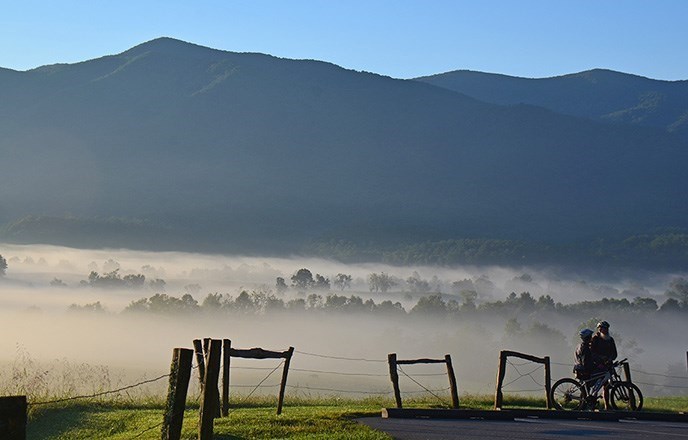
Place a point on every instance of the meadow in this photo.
(303, 418)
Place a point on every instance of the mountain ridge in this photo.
(600, 94)
(242, 150)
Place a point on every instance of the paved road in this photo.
(535, 429)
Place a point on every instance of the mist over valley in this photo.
(470, 312)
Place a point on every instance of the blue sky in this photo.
(400, 38)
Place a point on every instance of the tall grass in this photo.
(63, 380)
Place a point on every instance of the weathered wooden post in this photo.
(180, 374)
(226, 348)
(210, 395)
(499, 397)
(452, 382)
(394, 376)
(200, 360)
(283, 383)
(548, 383)
(627, 371)
(206, 348)
(13, 418)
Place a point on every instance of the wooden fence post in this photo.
(180, 374)
(226, 347)
(394, 376)
(548, 383)
(627, 371)
(452, 382)
(210, 395)
(283, 383)
(499, 397)
(13, 418)
(200, 360)
(206, 349)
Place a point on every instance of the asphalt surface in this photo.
(535, 429)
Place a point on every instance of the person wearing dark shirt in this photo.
(583, 357)
(603, 350)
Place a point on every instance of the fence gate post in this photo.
(200, 360)
(627, 371)
(452, 382)
(394, 375)
(13, 418)
(210, 395)
(180, 374)
(283, 383)
(548, 383)
(500, 380)
(226, 347)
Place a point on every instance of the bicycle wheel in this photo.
(568, 394)
(625, 396)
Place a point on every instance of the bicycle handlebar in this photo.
(621, 362)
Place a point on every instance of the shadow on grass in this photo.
(53, 422)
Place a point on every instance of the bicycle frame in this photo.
(584, 394)
(598, 380)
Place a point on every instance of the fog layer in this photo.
(42, 282)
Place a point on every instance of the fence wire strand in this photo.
(93, 396)
(419, 384)
(522, 375)
(339, 357)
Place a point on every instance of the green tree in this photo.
(513, 328)
(212, 302)
(302, 279)
(417, 284)
(281, 285)
(645, 304)
(469, 298)
(430, 305)
(244, 303)
(321, 282)
(134, 281)
(670, 306)
(678, 289)
(158, 284)
(380, 282)
(3, 266)
(56, 282)
(342, 281)
(545, 302)
(314, 301)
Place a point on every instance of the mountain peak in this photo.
(166, 45)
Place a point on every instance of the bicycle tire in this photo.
(625, 396)
(568, 394)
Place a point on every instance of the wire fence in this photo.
(515, 366)
(520, 375)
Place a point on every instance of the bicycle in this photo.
(570, 394)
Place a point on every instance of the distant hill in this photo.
(173, 145)
(599, 94)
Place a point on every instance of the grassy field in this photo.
(327, 418)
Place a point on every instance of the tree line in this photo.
(667, 249)
(265, 302)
